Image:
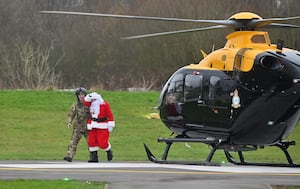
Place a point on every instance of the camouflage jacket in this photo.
(79, 114)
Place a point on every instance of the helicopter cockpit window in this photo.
(214, 84)
(258, 39)
(176, 87)
(193, 87)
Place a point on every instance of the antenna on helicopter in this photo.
(279, 45)
(203, 53)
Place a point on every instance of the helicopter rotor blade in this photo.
(284, 25)
(281, 19)
(236, 24)
(217, 22)
(272, 21)
(173, 32)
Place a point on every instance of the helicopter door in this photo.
(204, 103)
(193, 99)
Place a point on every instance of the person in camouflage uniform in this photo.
(78, 115)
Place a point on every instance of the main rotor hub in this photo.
(245, 16)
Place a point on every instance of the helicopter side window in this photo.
(214, 84)
(258, 39)
(193, 87)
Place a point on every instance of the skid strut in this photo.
(170, 141)
(282, 145)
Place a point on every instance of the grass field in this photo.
(50, 184)
(33, 127)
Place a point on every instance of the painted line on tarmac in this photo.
(106, 166)
(148, 171)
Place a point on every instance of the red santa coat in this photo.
(105, 118)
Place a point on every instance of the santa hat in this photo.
(93, 96)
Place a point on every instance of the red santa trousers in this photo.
(98, 138)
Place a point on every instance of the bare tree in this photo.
(28, 67)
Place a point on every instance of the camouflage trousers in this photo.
(75, 138)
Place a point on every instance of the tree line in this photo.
(39, 51)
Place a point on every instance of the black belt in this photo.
(102, 119)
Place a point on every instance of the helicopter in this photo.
(239, 98)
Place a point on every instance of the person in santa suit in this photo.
(100, 125)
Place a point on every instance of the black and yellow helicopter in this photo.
(242, 97)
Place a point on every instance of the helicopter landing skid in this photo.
(169, 142)
(282, 145)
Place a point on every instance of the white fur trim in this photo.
(102, 125)
(111, 123)
(89, 126)
(93, 149)
(94, 124)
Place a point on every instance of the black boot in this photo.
(109, 155)
(67, 158)
(93, 157)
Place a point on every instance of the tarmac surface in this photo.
(149, 175)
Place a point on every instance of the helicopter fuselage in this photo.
(245, 93)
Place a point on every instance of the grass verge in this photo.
(49, 184)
